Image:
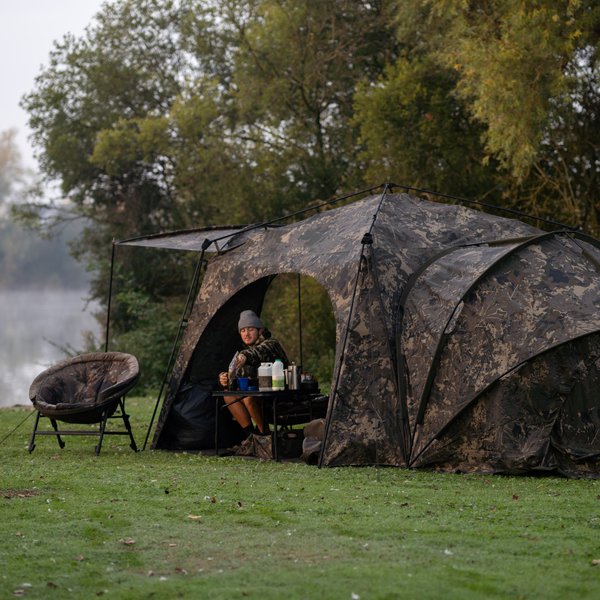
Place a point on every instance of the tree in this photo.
(521, 98)
(12, 172)
(181, 114)
(415, 131)
(296, 71)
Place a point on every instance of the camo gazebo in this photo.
(465, 341)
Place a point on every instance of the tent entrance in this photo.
(298, 312)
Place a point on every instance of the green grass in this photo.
(167, 525)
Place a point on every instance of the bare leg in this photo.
(239, 411)
(254, 407)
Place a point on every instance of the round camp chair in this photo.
(85, 389)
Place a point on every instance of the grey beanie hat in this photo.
(248, 318)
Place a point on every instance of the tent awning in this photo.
(221, 238)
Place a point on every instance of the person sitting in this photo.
(260, 347)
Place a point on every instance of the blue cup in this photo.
(243, 383)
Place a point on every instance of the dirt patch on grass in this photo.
(18, 493)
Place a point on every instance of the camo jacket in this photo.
(265, 349)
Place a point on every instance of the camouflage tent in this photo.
(465, 341)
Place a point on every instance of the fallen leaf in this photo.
(515, 497)
(596, 562)
(195, 517)
(79, 557)
(127, 541)
(52, 585)
(180, 570)
(20, 591)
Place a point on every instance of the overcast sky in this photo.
(28, 29)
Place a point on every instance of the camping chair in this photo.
(87, 389)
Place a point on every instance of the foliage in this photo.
(512, 86)
(184, 113)
(146, 320)
(159, 524)
(416, 132)
(11, 169)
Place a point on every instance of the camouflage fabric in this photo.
(266, 349)
(81, 388)
(465, 341)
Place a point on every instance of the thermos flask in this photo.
(293, 377)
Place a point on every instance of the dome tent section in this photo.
(520, 302)
(539, 418)
(318, 247)
(418, 337)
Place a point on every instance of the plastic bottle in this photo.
(264, 377)
(277, 375)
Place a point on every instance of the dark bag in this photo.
(191, 421)
(289, 445)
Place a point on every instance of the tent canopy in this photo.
(464, 340)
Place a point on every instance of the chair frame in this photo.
(100, 432)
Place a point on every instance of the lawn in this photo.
(174, 525)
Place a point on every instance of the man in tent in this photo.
(260, 347)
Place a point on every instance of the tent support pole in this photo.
(110, 285)
(300, 321)
(182, 324)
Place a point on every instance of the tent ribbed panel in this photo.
(433, 311)
(539, 297)
(540, 416)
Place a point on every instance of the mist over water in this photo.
(34, 327)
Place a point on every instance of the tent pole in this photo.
(301, 362)
(110, 284)
(182, 324)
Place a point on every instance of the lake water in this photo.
(34, 327)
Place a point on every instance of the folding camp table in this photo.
(288, 407)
